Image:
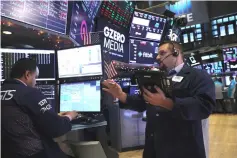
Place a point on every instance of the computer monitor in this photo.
(50, 15)
(214, 68)
(80, 96)
(230, 58)
(194, 60)
(142, 52)
(44, 58)
(80, 62)
(117, 12)
(82, 20)
(146, 25)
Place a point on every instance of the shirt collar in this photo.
(179, 68)
(20, 81)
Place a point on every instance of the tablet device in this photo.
(150, 79)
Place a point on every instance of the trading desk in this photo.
(79, 135)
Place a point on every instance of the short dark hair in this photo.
(173, 45)
(231, 77)
(21, 66)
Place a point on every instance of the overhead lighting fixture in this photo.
(7, 32)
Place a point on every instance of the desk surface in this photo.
(78, 127)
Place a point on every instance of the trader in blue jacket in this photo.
(28, 122)
(176, 132)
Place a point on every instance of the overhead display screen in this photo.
(50, 15)
(142, 52)
(230, 58)
(81, 96)
(118, 12)
(44, 58)
(147, 26)
(213, 68)
(194, 60)
(213, 56)
(82, 20)
(79, 62)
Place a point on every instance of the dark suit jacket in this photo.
(178, 133)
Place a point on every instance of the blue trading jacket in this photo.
(28, 122)
(178, 133)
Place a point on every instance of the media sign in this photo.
(114, 41)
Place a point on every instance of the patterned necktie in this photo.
(171, 73)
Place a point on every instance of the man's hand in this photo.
(115, 90)
(157, 99)
(72, 115)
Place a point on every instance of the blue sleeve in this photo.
(134, 102)
(232, 85)
(200, 104)
(46, 120)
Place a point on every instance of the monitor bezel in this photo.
(74, 82)
(84, 77)
(154, 14)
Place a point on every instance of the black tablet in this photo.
(150, 79)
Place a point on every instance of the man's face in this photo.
(31, 77)
(165, 57)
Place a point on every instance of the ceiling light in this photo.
(7, 32)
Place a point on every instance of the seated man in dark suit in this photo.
(178, 131)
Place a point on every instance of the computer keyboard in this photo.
(89, 119)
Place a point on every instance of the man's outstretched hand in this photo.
(115, 90)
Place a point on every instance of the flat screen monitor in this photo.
(194, 60)
(80, 62)
(142, 52)
(44, 58)
(212, 56)
(185, 38)
(213, 68)
(191, 37)
(80, 96)
(231, 29)
(230, 54)
(147, 26)
(117, 12)
(230, 58)
(82, 20)
(222, 31)
(50, 15)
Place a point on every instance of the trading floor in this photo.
(223, 136)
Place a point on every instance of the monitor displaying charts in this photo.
(45, 60)
(80, 96)
(50, 15)
(214, 68)
(79, 62)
